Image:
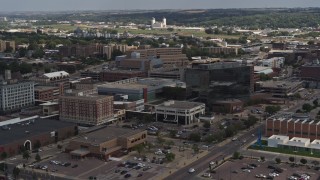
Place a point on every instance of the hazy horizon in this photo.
(74, 5)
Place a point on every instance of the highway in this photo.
(217, 153)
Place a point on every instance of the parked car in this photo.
(123, 172)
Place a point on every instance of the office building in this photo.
(220, 81)
(15, 95)
(86, 109)
(138, 88)
(179, 112)
(171, 57)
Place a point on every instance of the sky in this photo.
(64, 5)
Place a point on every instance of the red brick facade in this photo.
(293, 128)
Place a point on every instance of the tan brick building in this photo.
(90, 109)
(106, 141)
(170, 56)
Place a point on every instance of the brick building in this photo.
(293, 127)
(46, 93)
(310, 72)
(118, 75)
(7, 45)
(27, 133)
(170, 56)
(104, 142)
(89, 109)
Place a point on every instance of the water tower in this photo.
(164, 21)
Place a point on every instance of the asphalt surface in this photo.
(216, 154)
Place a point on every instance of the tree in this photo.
(169, 143)
(37, 144)
(303, 161)
(291, 159)
(160, 140)
(26, 155)
(139, 148)
(173, 133)
(170, 157)
(47, 70)
(195, 148)
(170, 29)
(209, 139)
(209, 31)
(4, 155)
(272, 109)
(38, 158)
(307, 107)
(195, 137)
(315, 103)
(207, 125)
(278, 160)
(3, 167)
(16, 172)
(236, 155)
(315, 163)
(116, 53)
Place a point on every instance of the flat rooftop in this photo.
(45, 87)
(280, 84)
(106, 134)
(40, 126)
(180, 104)
(92, 97)
(279, 137)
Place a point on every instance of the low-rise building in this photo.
(227, 106)
(295, 144)
(293, 127)
(279, 88)
(106, 142)
(179, 112)
(17, 133)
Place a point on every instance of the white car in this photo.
(207, 175)
(191, 170)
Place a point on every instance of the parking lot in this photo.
(128, 167)
(253, 169)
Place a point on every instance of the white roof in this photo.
(279, 137)
(56, 74)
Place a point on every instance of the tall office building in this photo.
(220, 81)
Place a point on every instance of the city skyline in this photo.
(65, 5)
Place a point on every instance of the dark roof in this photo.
(106, 134)
(40, 126)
